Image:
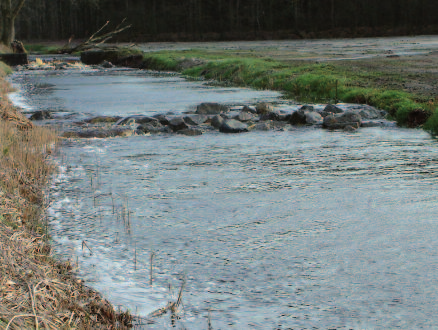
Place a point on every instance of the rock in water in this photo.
(233, 126)
(211, 109)
(340, 121)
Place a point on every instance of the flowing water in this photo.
(302, 229)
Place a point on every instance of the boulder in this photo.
(107, 65)
(263, 108)
(163, 119)
(368, 112)
(102, 119)
(41, 115)
(244, 116)
(330, 109)
(98, 132)
(341, 120)
(190, 131)
(153, 128)
(249, 109)
(350, 128)
(177, 124)
(211, 109)
(217, 121)
(263, 126)
(306, 115)
(273, 115)
(137, 119)
(233, 126)
(196, 119)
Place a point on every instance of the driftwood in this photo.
(96, 39)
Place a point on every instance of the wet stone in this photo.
(233, 126)
(211, 109)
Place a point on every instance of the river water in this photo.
(302, 229)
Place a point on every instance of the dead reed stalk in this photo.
(37, 291)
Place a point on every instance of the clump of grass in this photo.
(300, 80)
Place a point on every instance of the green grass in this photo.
(300, 80)
(41, 49)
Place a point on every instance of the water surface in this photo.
(304, 229)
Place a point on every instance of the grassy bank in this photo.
(383, 82)
(36, 291)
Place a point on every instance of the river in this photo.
(304, 228)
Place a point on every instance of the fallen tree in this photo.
(96, 40)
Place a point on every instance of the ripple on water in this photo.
(299, 229)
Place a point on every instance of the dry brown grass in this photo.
(36, 291)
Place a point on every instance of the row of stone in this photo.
(261, 117)
(214, 116)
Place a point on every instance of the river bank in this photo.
(37, 291)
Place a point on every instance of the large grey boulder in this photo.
(211, 109)
(217, 121)
(273, 115)
(196, 119)
(330, 109)
(342, 120)
(177, 124)
(263, 108)
(153, 127)
(233, 126)
(368, 112)
(244, 116)
(162, 118)
(306, 115)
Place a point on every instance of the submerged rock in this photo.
(330, 109)
(211, 109)
(306, 115)
(264, 108)
(233, 126)
(340, 121)
(98, 132)
(41, 115)
(244, 116)
(195, 119)
(102, 119)
(136, 119)
(190, 131)
(177, 124)
(217, 121)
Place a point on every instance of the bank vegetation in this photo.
(36, 289)
(404, 87)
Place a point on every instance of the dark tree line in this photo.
(226, 19)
